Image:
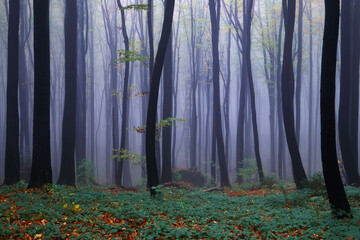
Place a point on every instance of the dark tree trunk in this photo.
(247, 25)
(334, 187)
(224, 178)
(348, 96)
(167, 113)
(287, 92)
(125, 95)
(298, 73)
(354, 118)
(41, 172)
(67, 169)
(12, 159)
(152, 171)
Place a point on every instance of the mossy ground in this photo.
(58, 212)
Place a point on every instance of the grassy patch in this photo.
(57, 212)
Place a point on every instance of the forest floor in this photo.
(58, 212)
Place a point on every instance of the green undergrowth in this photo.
(58, 212)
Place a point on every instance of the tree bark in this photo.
(334, 187)
(67, 168)
(41, 172)
(12, 158)
(153, 180)
(224, 177)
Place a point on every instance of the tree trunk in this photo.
(334, 187)
(287, 92)
(167, 113)
(67, 169)
(153, 180)
(12, 159)
(41, 172)
(224, 178)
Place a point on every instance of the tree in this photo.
(247, 24)
(334, 187)
(214, 17)
(347, 99)
(67, 167)
(152, 171)
(167, 113)
(41, 172)
(125, 95)
(12, 160)
(287, 92)
(298, 72)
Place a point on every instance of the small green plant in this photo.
(249, 171)
(315, 182)
(86, 172)
(270, 179)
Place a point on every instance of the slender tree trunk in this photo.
(298, 73)
(287, 92)
(311, 109)
(152, 171)
(224, 178)
(249, 9)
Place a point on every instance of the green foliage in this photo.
(108, 213)
(164, 123)
(85, 172)
(315, 182)
(249, 172)
(270, 179)
(135, 159)
(136, 7)
(131, 55)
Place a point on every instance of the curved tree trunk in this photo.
(287, 92)
(152, 171)
(334, 186)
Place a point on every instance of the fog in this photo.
(101, 65)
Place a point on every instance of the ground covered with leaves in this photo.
(58, 212)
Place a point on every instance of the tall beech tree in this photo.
(249, 6)
(67, 167)
(348, 97)
(152, 171)
(124, 118)
(167, 113)
(12, 158)
(287, 92)
(334, 186)
(41, 172)
(215, 19)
